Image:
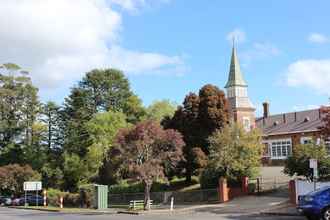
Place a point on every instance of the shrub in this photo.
(298, 163)
(53, 197)
(71, 200)
(125, 187)
(209, 177)
(87, 195)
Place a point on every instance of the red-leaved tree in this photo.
(147, 148)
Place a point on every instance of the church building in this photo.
(281, 132)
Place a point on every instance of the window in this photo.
(246, 123)
(306, 140)
(280, 149)
(327, 145)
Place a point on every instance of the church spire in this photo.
(235, 76)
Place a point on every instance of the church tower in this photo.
(240, 107)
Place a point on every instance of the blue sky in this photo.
(168, 48)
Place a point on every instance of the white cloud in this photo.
(131, 5)
(312, 73)
(58, 41)
(259, 51)
(237, 34)
(317, 38)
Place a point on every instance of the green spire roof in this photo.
(235, 76)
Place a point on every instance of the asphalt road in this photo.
(15, 214)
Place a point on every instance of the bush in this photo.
(69, 199)
(53, 197)
(87, 195)
(209, 178)
(125, 187)
(298, 163)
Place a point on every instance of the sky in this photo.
(168, 48)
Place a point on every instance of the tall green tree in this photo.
(19, 107)
(102, 129)
(100, 90)
(160, 109)
(53, 119)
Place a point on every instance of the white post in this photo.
(61, 202)
(45, 198)
(172, 203)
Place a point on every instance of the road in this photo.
(15, 214)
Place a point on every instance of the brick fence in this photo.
(227, 193)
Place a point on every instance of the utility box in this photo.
(100, 197)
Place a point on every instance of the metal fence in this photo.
(269, 184)
(205, 195)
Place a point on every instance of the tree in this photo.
(74, 171)
(158, 110)
(99, 91)
(19, 108)
(134, 109)
(53, 119)
(198, 117)
(102, 129)
(106, 89)
(236, 152)
(212, 113)
(13, 176)
(146, 148)
(298, 162)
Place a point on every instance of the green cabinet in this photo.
(101, 197)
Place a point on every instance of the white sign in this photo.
(32, 186)
(313, 163)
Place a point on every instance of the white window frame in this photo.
(306, 138)
(249, 123)
(288, 153)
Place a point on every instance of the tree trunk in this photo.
(147, 187)
(188, 174)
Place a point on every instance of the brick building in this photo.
(281, 131)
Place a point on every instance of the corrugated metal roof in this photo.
(292, 122)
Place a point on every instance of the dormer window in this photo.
(306, 119)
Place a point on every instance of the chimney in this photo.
(266, 109)
(295, 116)
(284, 118)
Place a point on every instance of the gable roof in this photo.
(235, 75)
(292, 122)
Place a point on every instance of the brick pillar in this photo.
(223, 190)
(292, 192)
(245, 185)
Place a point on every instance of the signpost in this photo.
(32, 186)
(313, 165)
